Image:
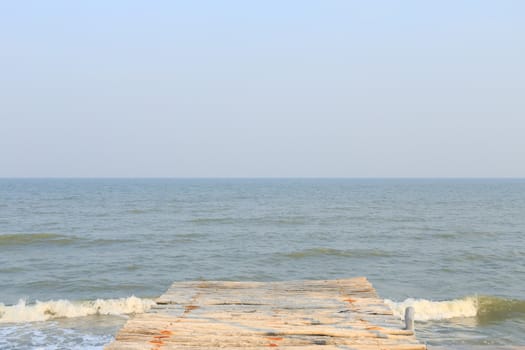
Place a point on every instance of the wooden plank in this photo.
(326, 314)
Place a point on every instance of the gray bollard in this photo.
(409, 318)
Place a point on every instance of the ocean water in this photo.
(79, 256)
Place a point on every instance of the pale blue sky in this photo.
(262, 88)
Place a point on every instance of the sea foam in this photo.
(485, 308)
(426, 310)
(47, 310)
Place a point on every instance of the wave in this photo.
(354, 253)
(484, 308)
(47, 310)
(212, 221)
(284, 220)
(98, 242)
(498, 309)
(139, 211)
(258, 220)
(12, 239)
(27, 239)
(426, 310)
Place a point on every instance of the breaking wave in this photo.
(484, 308)
(47, 310)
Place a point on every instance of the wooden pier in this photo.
(310, 315)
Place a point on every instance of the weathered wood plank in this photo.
(328, 314)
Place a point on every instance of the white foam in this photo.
(46, 310)
(426, 310)
(47, 336)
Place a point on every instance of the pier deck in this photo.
(320, 315)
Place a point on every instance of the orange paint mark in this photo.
(274, 338)
(350, 300)
(189, 308)
(272, 345)
(157, 339)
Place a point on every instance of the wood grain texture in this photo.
(321, 315)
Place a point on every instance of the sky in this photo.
(262, 88)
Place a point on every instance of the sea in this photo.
(78, 257)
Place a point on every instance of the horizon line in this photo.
(263, 177)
